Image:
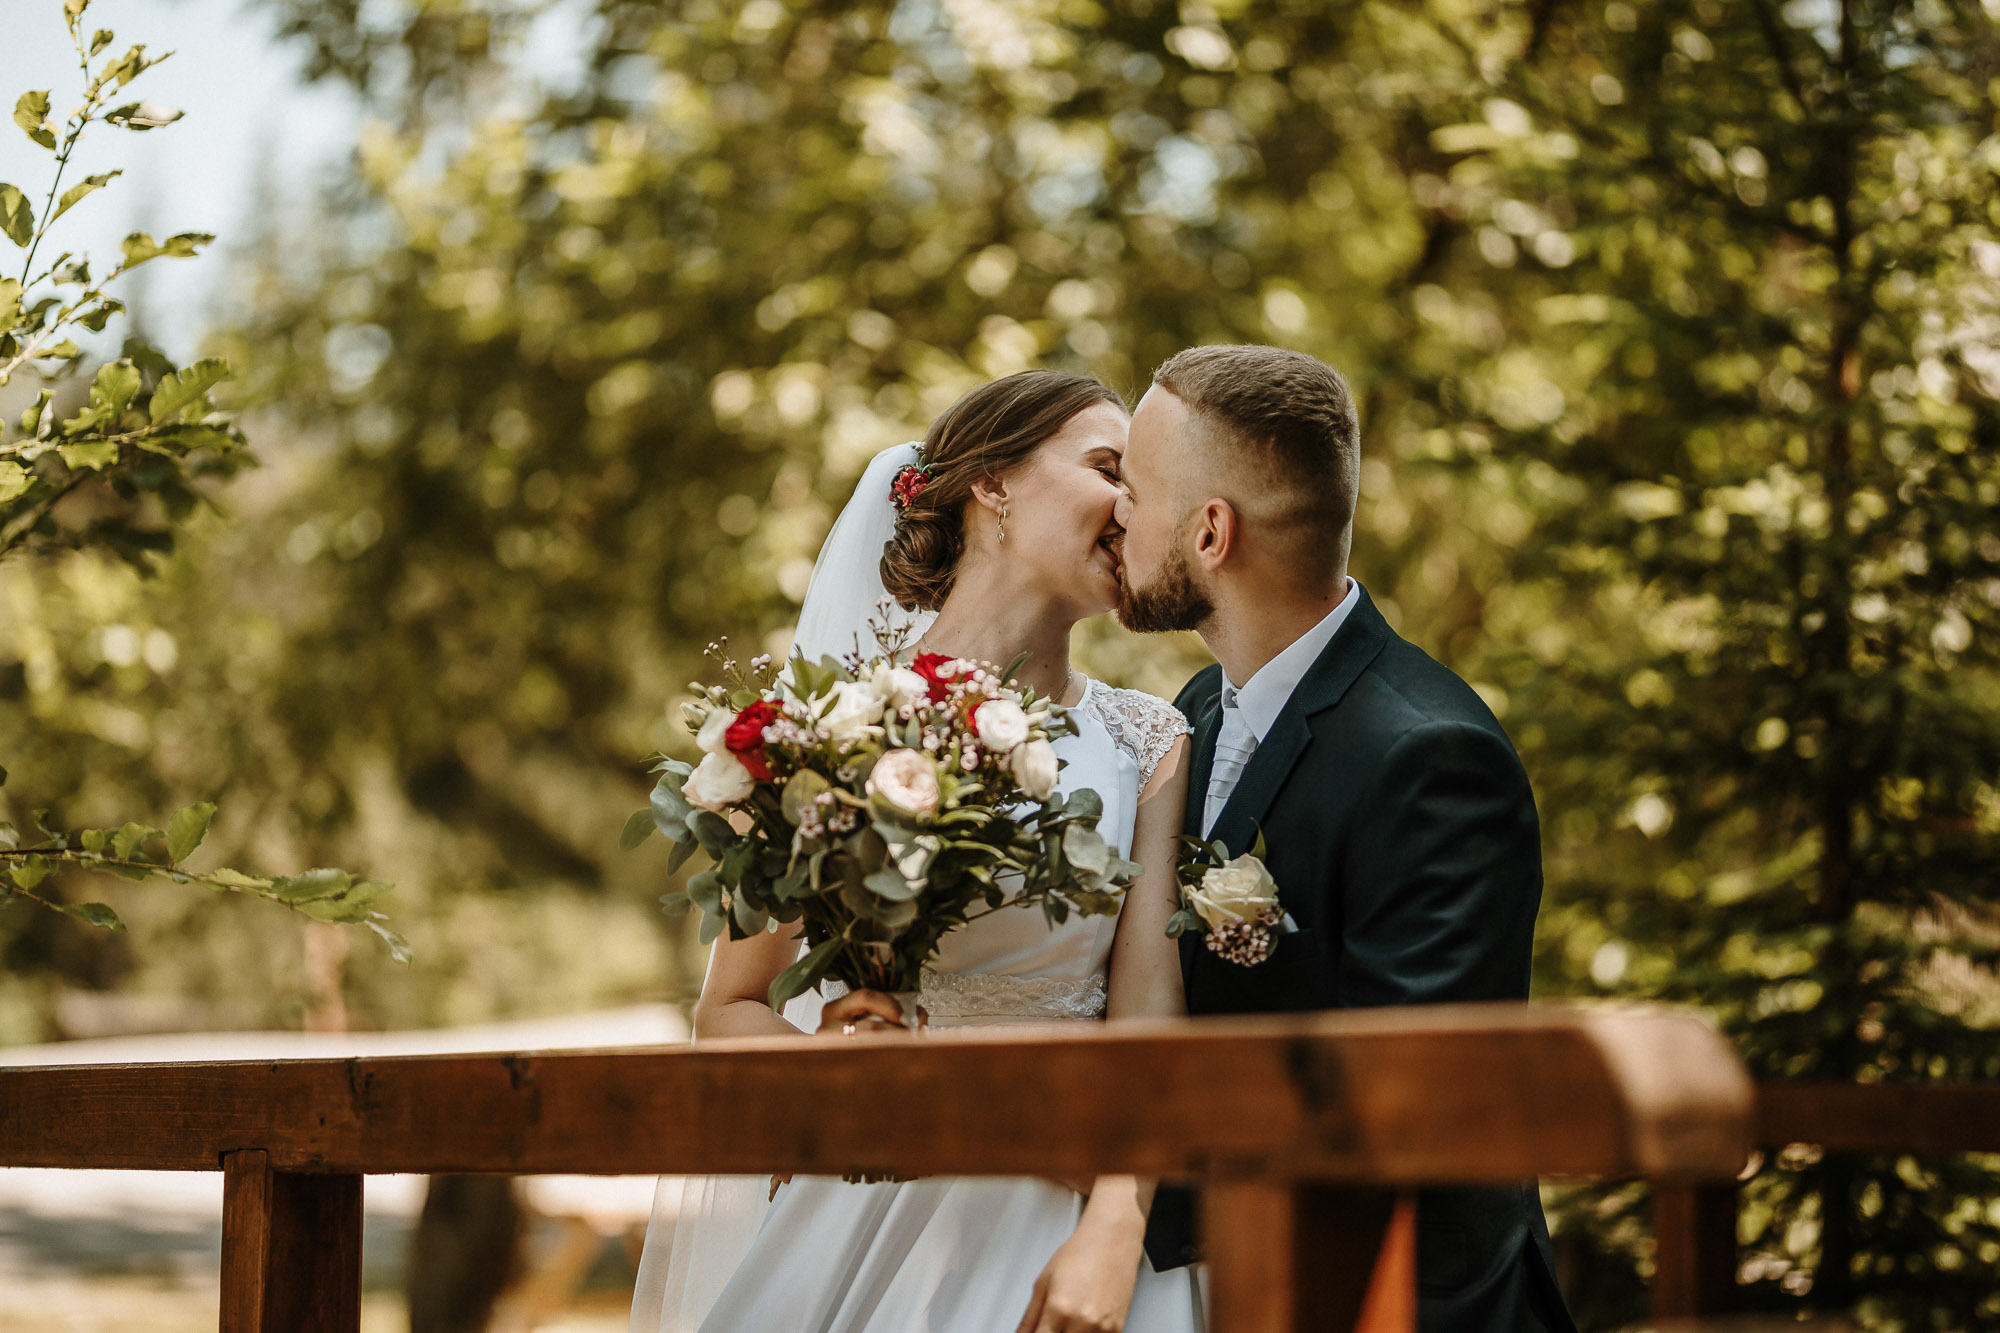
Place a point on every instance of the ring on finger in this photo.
(847, 1029)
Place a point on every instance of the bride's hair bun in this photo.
(988, 433)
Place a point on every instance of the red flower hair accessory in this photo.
(909, 482)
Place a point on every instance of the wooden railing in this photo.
(1308, 1134)
(1694, 1224)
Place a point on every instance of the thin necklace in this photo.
(1069, 679)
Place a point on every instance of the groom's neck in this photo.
(1256, 619)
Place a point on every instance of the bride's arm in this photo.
(734, 994)
(1145, 980)
(1088, 1284)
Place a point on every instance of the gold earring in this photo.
(1003, 522)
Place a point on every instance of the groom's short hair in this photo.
(1290, 413)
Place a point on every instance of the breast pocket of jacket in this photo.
(1295, 976)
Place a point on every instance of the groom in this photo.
(1398, 820)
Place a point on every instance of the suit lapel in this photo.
(1354, 646)
(1207, 726)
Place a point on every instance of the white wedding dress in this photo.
(944, 1254)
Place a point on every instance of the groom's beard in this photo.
(1172, 601)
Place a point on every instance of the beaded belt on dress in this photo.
(960, 995)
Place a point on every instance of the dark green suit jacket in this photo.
(1402, 834)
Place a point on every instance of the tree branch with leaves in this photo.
(148, 432)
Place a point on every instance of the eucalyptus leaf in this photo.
(704, 890)
(802, 976)
(671, 810)
(638, 828)
(712, 831)
(1086, 849)
(801, 790)
(889, 883)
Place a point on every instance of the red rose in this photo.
(745, 737)
(940, 671)
(910, 482)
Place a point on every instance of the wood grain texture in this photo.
(1694, 1250)
(246, 1239)
(1310, 1258)
(291, 1249)
(1881, 1117)
(1394, 1097)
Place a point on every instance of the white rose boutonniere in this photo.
(1233, 902)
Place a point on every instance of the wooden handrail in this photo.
(1694, 1225)
(1309, 1125)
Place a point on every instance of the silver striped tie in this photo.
(1234, 745)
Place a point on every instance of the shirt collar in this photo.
(1261, 698)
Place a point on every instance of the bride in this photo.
(999, 542)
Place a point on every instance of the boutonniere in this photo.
(1232, 901)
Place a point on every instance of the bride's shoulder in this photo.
(1144, 725)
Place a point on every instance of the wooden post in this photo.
(1694, 1250)
(1309, 1259)
(291, 1249)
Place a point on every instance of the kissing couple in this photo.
(1399, 829)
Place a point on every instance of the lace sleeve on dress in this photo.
(1144, 726)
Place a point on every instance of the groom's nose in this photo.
(1121, 512)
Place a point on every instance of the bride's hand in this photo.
(861, 1011)
(1087, 1286)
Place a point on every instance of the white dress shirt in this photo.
(1251, 709)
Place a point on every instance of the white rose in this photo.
(856, 713)
(906, 779)
(1001, 725)
(1034, 767)
(899, 686)
(718, 782)
(711, 736)
(1237, 890)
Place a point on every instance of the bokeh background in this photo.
(562, 330)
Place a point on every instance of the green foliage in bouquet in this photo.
(146, 434)
(882, 807)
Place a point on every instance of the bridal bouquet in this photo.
(881, 804)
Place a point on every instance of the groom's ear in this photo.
(1217, 530)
